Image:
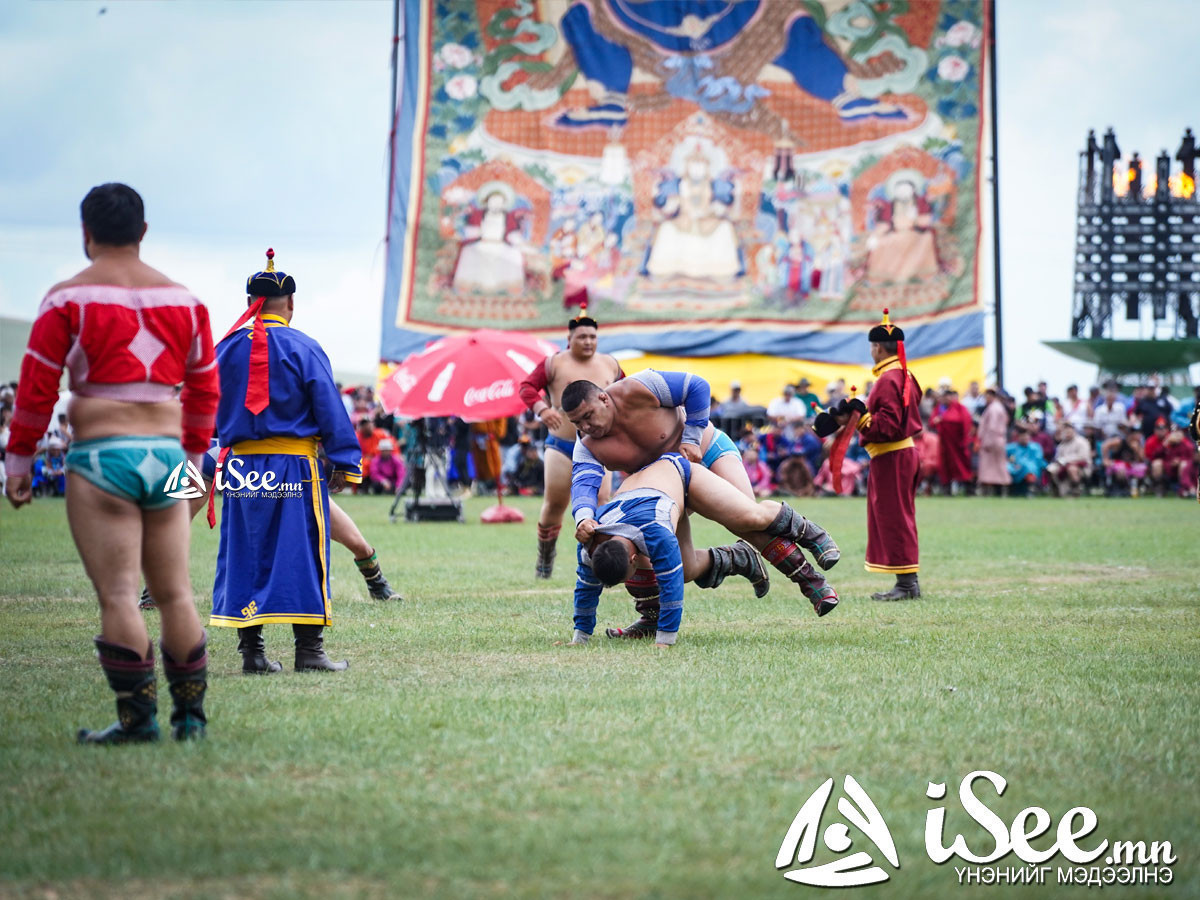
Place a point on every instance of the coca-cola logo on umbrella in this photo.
(497, 390)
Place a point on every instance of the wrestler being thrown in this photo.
(630, 425)
(644, 526)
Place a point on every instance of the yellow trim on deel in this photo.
(269, 619)
(891, 570)
(290, 446)
(889, 447)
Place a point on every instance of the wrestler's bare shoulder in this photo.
(139, 275)
(600, 369)
(631, 393)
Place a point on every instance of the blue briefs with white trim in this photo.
(133, 468)
(721, 445)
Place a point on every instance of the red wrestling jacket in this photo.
(132, 344)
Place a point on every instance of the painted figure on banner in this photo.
(695, 237)
(902, 245)
(711, 54)
(797, 271)
(491, 259)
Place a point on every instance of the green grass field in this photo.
(467, 753)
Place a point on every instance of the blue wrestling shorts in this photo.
(566, 448)
(683, 466)
(132, 468)
(721, 445)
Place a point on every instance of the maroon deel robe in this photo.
(954, 431)
(892, 478)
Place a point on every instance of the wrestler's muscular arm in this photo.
(586, 475)
(533, 391)
(675, 389)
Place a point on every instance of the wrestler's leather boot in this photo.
(310, 650)
(187, 682)
(808, 534)
(377, 583)
(146, 601)
(547, 550)
(788, 559)
(254, 652)
(643, 587)
(905, 588)
(131, 676)
(736, 559)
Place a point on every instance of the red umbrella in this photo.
(474, 377)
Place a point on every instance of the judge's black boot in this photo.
(131, 676)
(736, 559)
(254, 652)
(187, 681)
(310, 650)
(905, 588)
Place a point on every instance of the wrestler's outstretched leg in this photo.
(768, 526)
(343, 530)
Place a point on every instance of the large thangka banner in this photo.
(723, 176)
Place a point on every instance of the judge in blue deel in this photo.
(278, 399)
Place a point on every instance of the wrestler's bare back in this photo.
(642, 430)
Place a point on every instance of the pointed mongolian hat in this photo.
(583, 319)
(885, 332)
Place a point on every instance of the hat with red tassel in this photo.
(886, 332)
(583, 319)
(261, 286)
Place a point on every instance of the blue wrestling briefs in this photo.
(722, 445)
(566, 448)
(132, 468)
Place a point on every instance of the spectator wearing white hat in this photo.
(787, 411)
(386, 471)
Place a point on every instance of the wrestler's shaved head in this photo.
(578, 392)
(611, 560)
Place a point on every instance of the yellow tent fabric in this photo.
(763, 377)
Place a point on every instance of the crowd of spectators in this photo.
(1102, 442)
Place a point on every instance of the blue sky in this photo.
(254, 124)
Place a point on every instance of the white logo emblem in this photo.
(851, 871)
(404, 380)
(495, 391)
(441, 383)
(185, 482)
